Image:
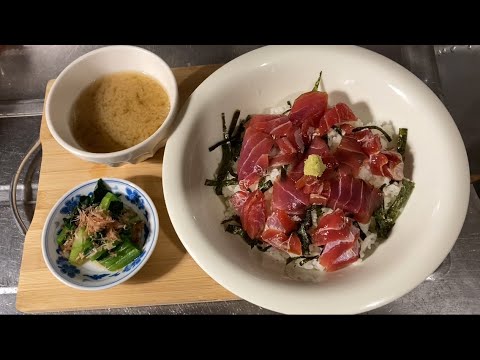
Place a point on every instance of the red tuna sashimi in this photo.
(354, 196)
(290, 244)
(317, 147)
(339, 237)
(340, 113)
(288, 198)
(370, 142)
(253, 214)
(253, 160)
(288, 152)
(286, 146)
(350, 155)
(347, 257)
(309, 108)
(274, 125)
(387, 163)
(277, 228)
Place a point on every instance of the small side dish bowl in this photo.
(92, 66)
(92, 276)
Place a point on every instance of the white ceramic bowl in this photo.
(91, 276)
(377, 88)
(91, 66)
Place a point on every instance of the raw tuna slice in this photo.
(253, 160)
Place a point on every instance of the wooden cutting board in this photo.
(169, 277)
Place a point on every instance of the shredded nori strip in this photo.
(305, 225)
(283, 172)
(402, 141)
(235, 218)
(385, 219)
(375, 128)
(303, 233)
(362, 234)
(237, 230)
(337, 129)
(231, 145)
(304, 261)
(264, 185)
(226, 182)
(263, 249)
(217, 144)
(289, 104)
(233, 123)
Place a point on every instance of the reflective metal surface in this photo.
(25, 70)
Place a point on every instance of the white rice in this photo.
(272, 175)
(388, 127)
(334, 139)
(277, 110)
(376, 180)
(367, 243)
(390, 192)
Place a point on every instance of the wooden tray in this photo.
(170, 275)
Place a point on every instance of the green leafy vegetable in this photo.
(100, 191)
(122, 256)
(116, 208)
(106, 200)
(80, 244)
(62, 237)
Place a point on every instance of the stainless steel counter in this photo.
(25, 70)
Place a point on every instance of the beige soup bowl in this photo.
(91, 66)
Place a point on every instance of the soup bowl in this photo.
(92, 66)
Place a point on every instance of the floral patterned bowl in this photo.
(92, 276)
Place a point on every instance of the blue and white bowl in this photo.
(92, 276)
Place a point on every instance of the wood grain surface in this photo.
(170, 276)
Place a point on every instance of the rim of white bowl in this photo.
(214, 268)
(103, 156)
(56, 208)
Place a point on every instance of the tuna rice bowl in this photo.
(309, 184)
